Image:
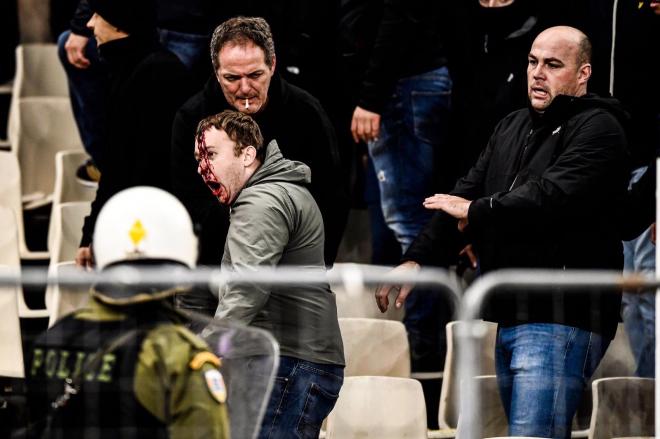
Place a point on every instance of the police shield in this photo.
(250, 357)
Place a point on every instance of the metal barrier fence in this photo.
(532, 281)
(354, 278)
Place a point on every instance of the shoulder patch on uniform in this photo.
(202, 358)
(216, 385)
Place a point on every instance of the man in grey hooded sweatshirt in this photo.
(274, 221)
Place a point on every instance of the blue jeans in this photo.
(638, 310)
(385, 250)
(87, 89)
(413, 129)
(542, 370)
(303, 395)
(191, 49)
(414, 125)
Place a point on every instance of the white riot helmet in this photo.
(144, 223)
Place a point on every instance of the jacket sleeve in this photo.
(80, 18)
(258, 234)
(590, 164)
(388, 49)
(329, 186)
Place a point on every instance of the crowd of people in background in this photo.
(456, 124)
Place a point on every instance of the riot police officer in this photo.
(126, 366)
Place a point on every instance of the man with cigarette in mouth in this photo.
(243, 56)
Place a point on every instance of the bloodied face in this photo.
(223, 171)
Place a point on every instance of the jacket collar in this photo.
(560, 109)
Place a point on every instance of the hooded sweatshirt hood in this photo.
(276, 168)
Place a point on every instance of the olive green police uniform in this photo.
(164, 382)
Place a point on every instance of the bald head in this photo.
(558, 64)
(572, 37)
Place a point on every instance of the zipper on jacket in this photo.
(521, 157)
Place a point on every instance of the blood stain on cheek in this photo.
(207, 168)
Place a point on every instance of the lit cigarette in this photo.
(247, 103)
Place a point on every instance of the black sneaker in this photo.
(88, 174)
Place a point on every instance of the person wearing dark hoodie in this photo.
(274, 222)
(147, 85)
(546, 193)
(497, 42)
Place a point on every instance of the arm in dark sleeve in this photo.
(328, 182)
(80, 18)
(109, 184)
(583, 176)
(387, 51)
(438, 243)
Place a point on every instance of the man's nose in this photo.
(245, 85)
(90, 23)
(538, 71)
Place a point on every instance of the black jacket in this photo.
(148, 84)
(383, 41)
(547, 193)
(303, 132)
(489, 77)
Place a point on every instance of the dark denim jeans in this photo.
(303, 395)
(87, 89)
(414, 125)
(413, 129)
(542, 370)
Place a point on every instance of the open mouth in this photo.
(217, 190)
(213, 185)
(539, 92)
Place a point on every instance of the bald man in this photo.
(543, 194)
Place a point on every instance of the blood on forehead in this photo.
(203, 151)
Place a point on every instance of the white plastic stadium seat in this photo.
(378, 407)
(68, 219)
(623, 406)
(38, 73)
(375, 347)
(449, 393)
(46, 127)
(62, 300)
(10, 196)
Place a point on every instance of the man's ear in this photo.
(584, 73)
(272, 68)
(250, 156)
